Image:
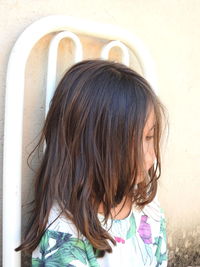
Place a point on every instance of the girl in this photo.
(95, 192)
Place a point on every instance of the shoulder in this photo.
(59, 223)
(154, 211)
(154, 215)
(60, 244)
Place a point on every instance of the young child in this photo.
(95, 192)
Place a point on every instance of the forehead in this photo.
(150, 122)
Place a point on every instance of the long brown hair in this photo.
(93, 149)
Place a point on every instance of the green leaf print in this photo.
(159, 256)
(90, 254)
(161, 241)
(78, 243)
(61, 257)
(64, 250)
(75, 252)
(61, 238)
(163, 229)
(132, 230)
(36, 262)
(44, 243)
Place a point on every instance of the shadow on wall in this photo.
(185, 249)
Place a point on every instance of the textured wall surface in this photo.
(170, 31)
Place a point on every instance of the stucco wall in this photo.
(170, 31)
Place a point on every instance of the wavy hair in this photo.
(93, 149)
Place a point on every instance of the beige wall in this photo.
(171, 32)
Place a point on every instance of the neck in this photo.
(121, 211)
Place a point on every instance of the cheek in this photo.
(149, 154)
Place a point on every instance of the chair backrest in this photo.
(63, 27)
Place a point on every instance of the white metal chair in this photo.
(67, 27)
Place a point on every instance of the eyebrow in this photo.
(153, 127)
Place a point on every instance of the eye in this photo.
(149, 137)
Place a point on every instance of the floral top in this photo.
(141, 241)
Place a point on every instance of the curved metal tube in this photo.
(125, 53)
(52, 61)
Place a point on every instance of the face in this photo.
(148, 142)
